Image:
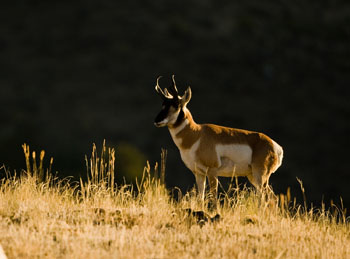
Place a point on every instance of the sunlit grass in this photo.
(44, 217)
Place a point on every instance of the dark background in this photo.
(77, 72)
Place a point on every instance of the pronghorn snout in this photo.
(162, 118)
(159, 124)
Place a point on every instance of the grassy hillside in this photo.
(76, 71)
(42, 217)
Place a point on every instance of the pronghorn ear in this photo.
(186, 97)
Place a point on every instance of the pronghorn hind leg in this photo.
(256, 178)
(260, 179)
(252, 181)
(270, 195)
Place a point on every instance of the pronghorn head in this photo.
(173, 105)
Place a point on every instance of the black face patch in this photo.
(166, 106)
(162, 114)
(180, 118)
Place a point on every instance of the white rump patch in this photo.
(279, 150)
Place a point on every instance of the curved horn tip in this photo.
(159, 77)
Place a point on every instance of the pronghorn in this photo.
(210, 150)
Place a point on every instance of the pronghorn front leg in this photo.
(200, 180)
(213, 184)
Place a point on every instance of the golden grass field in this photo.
(43, 217)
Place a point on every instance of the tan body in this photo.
(210, 151)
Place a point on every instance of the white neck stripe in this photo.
(175, 131)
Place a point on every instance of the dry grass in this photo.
(41, 217)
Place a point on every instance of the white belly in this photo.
(234, 160)
(237, 153)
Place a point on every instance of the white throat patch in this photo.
(175, 131)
